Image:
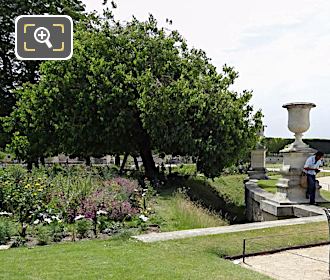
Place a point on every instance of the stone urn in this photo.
(298, 122)
(289, 190)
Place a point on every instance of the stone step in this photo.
(306, 210)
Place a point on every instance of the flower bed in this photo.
(55, 204)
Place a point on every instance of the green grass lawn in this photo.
(270, 184)
(185, 169)
(231, 187)
(273, 165)
(325, 194)
(323, 174)
(193, 258)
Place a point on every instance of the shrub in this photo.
(43, 235)
(23, 195)
(103, 223)
(5, 231)
(18, 242)
(58, 196)
(83, 227)
(57, 231)
(105, 172)
(123, 235)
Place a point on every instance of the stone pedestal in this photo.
(289, 190)
(258, 159)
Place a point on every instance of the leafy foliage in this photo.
(274, 145)
(13, 72)
(136, 88)
(5, 230)
(23, 196)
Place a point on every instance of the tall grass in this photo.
(192, 215)
(178, 212)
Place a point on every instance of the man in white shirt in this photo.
(311, 168)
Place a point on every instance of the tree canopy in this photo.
(13, 72)
(135, 88)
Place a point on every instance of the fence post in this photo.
(327, 212)
(244, 249)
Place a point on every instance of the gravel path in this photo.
(303, 264)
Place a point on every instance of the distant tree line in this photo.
(274, 145)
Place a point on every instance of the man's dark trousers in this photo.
(311, 180)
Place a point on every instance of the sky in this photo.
(280, 48)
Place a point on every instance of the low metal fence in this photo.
(327, 213)
(263, 245)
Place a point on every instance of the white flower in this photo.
(55, 218)
(5, 213)
(143, 218)
(48, 220)
(79, 217)
(101, 212)
(36, 222)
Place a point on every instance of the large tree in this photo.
(13, 72)
(135, 88)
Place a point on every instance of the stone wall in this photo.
(260, 206)
(254, 195)
(274, 159)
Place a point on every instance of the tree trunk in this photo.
(123, 164)
(88, 161)
(117, 160)
(29, 165)
(136, 163)
(148, 162)
(42, 161)
(145, 152)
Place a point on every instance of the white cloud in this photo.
(280, 48)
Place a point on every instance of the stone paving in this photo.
(154, 237)
(4, 247)
(302, 264)
(325, 183)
